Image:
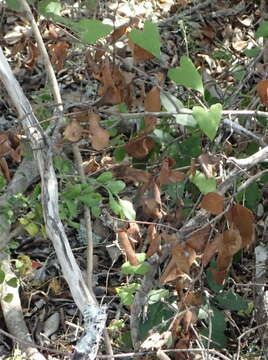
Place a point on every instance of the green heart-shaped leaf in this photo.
(187, 75)
(148, 39)
(91, 30)
(208, 120)
(204, 184)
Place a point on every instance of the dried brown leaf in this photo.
(211, 249)
(169, 176)
(219, 275)
(262, 91)
(128, 248)
(58, 53)
(198, 239)
(213, 203)
(128, 173)
(140, 147)
(152, 103)
(99, 136)
(140, 54)
(230, 243)
(4, 169)
(151, 203)
(73, 131)
(243, 219)
(153, 239)
(32, 55)
(182, 259)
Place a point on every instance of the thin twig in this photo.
(187, 12)
(245, 333)
(174, 351)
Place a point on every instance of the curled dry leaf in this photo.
(262, 91)
(9, 145)
(153, 239)
(243, 219)
(213, 203)
(181, 261)
(189, 318)
(73, 131)
(128, 173)
(169, 176)
(219, 276)
(211, 249)
(99, 136)
(134, 233)
(127, 247)
(151, 203)
(4, 169)
(192, 299)
(198, 239)
(114, 89)
(152, 103)
(32, 55)
(119, 32)
(140, 147)
(58, 53)
(229, 243)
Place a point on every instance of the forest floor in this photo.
(178, 196)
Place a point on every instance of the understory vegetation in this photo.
(134, 179)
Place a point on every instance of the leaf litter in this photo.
(163, 182)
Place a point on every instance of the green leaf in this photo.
(148, 39)
(8, 298)
(127, 209)
(119, 154)
(252, 195)
(262, 29)
(140, 269)
(159, 315)
(2, 182)
(157, 295)
(126, 293)
(32, 228)
(231, 301)
(62, 165)
(90, 31)
(13, 282)
(208, 120)
(252, 52)
(191, 146)
(92, 200)
(13, 5)
(72, 207)
(115, 186)
(170, 103)
(73, 192)
(49, 8)
(104, 177)
(204, 184)
(218, 326)
(114, 205)
(187, 75)
(96, 211)
(2, 276)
